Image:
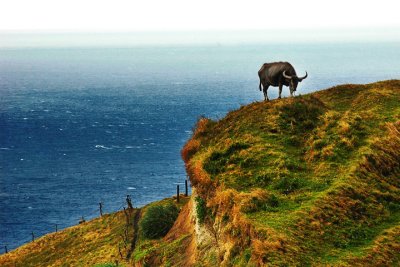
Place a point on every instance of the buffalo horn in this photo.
(286, 76)
(302, 78)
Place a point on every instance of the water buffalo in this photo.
(278, 74)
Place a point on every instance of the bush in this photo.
(190, 148)
(288, 184)
(273, 201)
(216, 163)
(201, 209)
(259, 203)
(264, 179)
(158, 220)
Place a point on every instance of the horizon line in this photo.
(205, 30)
(32, 39)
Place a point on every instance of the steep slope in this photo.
(301, 181)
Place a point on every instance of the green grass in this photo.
(335, 185)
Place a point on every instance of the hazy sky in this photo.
(66, 23)
(177, 15)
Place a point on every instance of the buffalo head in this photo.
(294, 81)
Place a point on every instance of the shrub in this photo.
(158, 220)
(216, 163)
(254, 204)
(257, 203)
(288, 184)
(190, 148)
(273, 201)
(394, 207)
(201, 209)
(264, 179)
(202, 126)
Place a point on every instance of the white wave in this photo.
(130, 147)
(131, 188)
(4, 148)
(101, 146)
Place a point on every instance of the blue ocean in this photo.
(79, 126)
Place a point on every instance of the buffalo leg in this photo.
(265, 90)
(280, 89)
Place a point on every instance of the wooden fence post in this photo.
(129, 202)
(33, 236)
(101, 209)
(5, 248)
(186, 187)
(177, 193)
(56, 228)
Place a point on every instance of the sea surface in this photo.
(79, 126)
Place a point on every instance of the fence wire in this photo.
(58, 226)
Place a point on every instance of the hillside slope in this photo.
(310, 180)
(111, 240)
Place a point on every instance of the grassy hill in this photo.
(310, 180)
(307, 181)
(112, 240)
